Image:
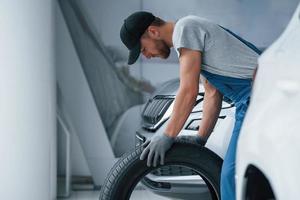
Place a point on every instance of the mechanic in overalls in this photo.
(226, 62)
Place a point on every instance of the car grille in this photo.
(155, 109)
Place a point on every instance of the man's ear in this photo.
(153, 32)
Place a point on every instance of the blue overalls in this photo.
(238, 90)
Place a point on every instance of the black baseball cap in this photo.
(131, 31)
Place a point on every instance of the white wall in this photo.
(27, 101)
(68, 64)
(80, 106)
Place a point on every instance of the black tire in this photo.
(129, 169)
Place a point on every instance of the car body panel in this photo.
(270, 138)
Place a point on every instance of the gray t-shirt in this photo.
(222, 53)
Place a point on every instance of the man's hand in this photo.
(156, 147)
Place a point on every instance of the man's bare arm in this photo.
(211, 109)
(190, 62)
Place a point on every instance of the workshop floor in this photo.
(94, 195)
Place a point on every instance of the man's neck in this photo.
(168, 33)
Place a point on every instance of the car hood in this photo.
(170, 88)
(167, 88)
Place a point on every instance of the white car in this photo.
(182, 182)
(268, 155)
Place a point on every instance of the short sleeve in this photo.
(189, 37)
(190, 34)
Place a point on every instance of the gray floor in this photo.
(94, 195)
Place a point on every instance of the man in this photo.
(226, 63)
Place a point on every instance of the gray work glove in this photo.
(155, 148)
(194, 139)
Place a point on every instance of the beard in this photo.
(163, 49)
